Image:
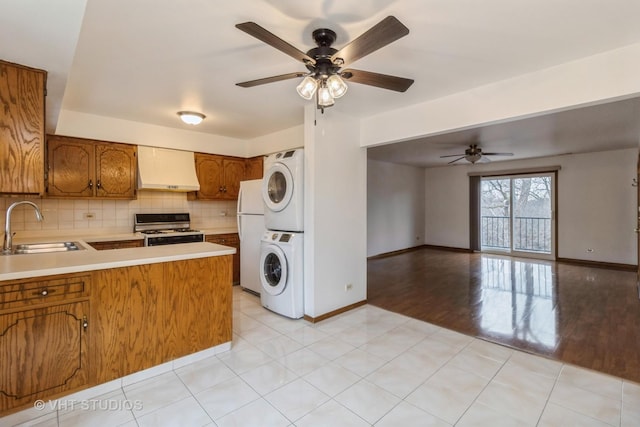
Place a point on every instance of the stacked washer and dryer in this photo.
(281, 247)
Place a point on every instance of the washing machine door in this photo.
(273, 265)
(277, 187)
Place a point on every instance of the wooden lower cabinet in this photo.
(59, 334)
(44, 352)
(233, 240)
(150, 314)
(117, 244)
(196, 316)
(44, 338)
(125, 320)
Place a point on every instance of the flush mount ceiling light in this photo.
(191, 117)
(325, 77)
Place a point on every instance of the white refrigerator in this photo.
(250, 229)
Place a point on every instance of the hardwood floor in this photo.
(586, 316)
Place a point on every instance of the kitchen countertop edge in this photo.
(14, 267)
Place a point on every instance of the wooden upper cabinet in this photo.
(254, 168)
(116, 170)
(233, 174)
(22, 101)
(219, 177)
(210, 175)
(71, 167)
(85, 168)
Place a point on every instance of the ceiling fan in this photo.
(473, 154)
(325, 76)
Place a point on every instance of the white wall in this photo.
(335, 212)
(597, 207)
(82, 125)
(72, 123)
(447, 207)
(277, 141)
(606, 76)
(596, 204)
(395, 207)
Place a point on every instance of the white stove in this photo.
(166, 229)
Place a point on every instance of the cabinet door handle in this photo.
(44, 292)
(220, 189)
(85, 323)
(98, 184)
(224, 188)
(91, 184)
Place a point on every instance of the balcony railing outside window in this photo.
(530, 234)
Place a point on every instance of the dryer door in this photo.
(277, 187)
(273, 265)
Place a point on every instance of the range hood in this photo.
(167, 170)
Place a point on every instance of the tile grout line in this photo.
(483, 388)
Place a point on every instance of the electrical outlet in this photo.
(89, 215)
(348, 287)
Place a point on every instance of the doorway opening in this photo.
(517, 215)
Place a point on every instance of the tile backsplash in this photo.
(114, 216)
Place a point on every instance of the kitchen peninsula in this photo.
(72, 320)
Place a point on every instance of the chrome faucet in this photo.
(8, 235)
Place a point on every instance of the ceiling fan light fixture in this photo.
(191, 117)
(324, 97)
(472, 158)
(307, 87)
(337, 86)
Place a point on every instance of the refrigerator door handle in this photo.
(240, 200)
(239, 226)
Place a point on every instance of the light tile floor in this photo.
(362, 368)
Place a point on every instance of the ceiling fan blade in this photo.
(497, 154)
(384, 32)
(271, 39)
(273, 79)
(453, 161)
(384, 81)
(452, 155)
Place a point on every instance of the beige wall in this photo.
(596, 204)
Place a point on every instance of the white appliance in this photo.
(166, 229)
(283, 190)
(281, 266)
(166, 170)
(250, 229)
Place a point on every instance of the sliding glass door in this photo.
(517, 215)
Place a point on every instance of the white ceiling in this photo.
(609, 126)
(144, 60)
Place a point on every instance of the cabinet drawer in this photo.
(120, 244)
(223, 239)
(42, 291)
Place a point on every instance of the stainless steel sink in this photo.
(40, 248)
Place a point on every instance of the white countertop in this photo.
(38, 265)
